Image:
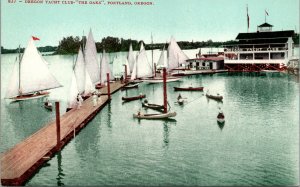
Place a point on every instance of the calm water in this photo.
(258, 145)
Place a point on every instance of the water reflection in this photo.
(167, 123)
(221, 125)
(109, 124)
(60, 175)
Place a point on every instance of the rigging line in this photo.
(192, 101)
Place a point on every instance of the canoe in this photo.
(180, 101)
(160, 79)
(215, 97)
(133, 98)
(153, 106)
(188, 89)
(155, 116)
(130, 86)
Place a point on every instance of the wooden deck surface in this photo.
(21, 161)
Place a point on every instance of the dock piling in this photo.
(57, 125)
(108, 86)
(165, 89)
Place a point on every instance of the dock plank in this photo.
(22, 157)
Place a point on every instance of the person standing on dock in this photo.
(95, 98)
(99, 96)
(79, 101)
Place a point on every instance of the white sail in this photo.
(79, 71)
(127, 66)
(144, 68)
(105, 68)
(175, 55)
(133, 74)
(162, 61)
(118, 67)
(89, 87)
(34, 74)
(91, 59)
(72, 99)
(131, 59)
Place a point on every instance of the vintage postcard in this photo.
(149, 93)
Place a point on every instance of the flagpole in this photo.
(247, 19)
(265, 17)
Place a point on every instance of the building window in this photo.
(246, 56)
(261, 56)
(275, 56)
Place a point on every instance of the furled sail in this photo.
(131, 59)
(144, 68)
(91, 59)
(34, 74)
(72, 99)
(79, 71)
(105, 68)
(127, 66)
(176, 56)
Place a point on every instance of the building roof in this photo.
(264, 41)
(265, 35)
(265, 25)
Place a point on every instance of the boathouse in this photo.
(261, 50)
(208, 63)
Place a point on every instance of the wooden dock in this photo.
(23, 160)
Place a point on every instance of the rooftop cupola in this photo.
(265, 27)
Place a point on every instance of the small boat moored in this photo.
(188, 88)
(152, 106)
(221, 117)
(139, 115)
(48, 105)
(126, 99)
(217, 97)
(130, 86)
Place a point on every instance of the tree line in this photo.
(70, 45)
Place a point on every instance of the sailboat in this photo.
(176, 56)
(31, 76)
(165, 113)
(84, 83)
(90, 55)
(131, 58)
(72, 99)
(104, 69)
(117, 67)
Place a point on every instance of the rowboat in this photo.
(154, 116)
(130, 86)
(133, 98)
(221, 117)
(48, 105)
(153, 106)
(188, 89)
(160, 80)
(180, 101)
(215, 97)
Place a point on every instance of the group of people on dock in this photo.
(95, 99)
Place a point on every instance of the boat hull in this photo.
(155, 116)
(160, 80)
(126, 99)
(189, 89)
(153, 106)
(217, 98)
(130, 87)
(31, 96)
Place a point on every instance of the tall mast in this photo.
(20, 92)
(152, 53)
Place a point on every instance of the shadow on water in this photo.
(221, 125)
(109, 124)
(60, 175)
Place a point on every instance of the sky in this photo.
(186, 20)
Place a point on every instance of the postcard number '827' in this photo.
(11, 1)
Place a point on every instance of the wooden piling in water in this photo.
(165, 89)
(108, 86)
(57, 125)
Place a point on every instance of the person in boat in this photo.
(179, 97)
(95, 98)
(220, 115)
(145, 101)
(47, 103)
